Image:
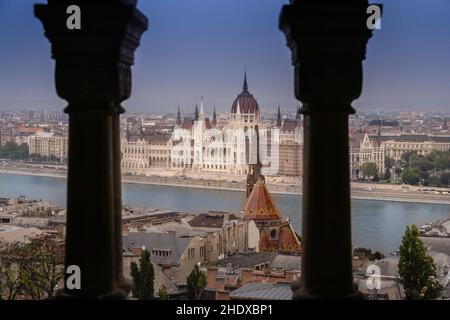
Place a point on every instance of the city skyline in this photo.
(201, 49)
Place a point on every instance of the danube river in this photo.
(377, 225)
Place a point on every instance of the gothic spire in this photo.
(279, 117)
(254, 172)
(202, 112)
(196, 116)
(179, 117)
(141, 129)
(214, 119)
(245, 87)
(298, 116)
(128, 135)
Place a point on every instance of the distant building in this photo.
(365, 148)
(143, 152)
(10, 234)
(46, 144)
(395, 146)
(389, 285)
(445, 126)
(176, 256)
(291, 147)
(276, 232)
(244, 270)
(226, 234)
(198, 145)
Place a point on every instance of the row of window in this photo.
(144, 151)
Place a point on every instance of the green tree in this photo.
(408, 157)
(31, 270)
(143, 277)
(416, 269)
(389, 162)
(410, 176)
(45, 269)
(162, 293)
(196, 281)
(445, 179)
(369, 170)
(434, 181)
(387, 174)
(376, 178)
(13, 151)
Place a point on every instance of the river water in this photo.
(378, 225)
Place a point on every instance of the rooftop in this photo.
(263, 291)
(157, 241)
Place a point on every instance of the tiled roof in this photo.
(187, 124)
(260, 205)
(356, 138)
(289, 125)
(246, 260)
(157, 241)
(286, 262)
(206, 220)
(263, 291)
(247, 103)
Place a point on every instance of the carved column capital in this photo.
(93, 64)
(328, 42)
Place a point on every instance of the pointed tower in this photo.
(380, 127)
(179, 117)
(279, 117)
(214, 119)
(275, 232)
(260, 205)
(298, 115)
(245, 86)
(254, 172)
(238, 111)
(202, 111)
(196, 116)
(141, 130)
(128, 134)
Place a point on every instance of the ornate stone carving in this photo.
(328, 42)
(93, 65)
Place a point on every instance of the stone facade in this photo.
(365, 149)
(48, 145)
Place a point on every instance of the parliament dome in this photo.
(245, 100)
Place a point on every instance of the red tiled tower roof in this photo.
(260, 205)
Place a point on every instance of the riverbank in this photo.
(360, 191)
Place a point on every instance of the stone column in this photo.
(328, 42)
(93, 73)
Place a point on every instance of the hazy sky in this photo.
(200, 47)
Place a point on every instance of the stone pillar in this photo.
(328, 42)
(93, 73)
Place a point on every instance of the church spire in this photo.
(298, 116)
(179, 117)
(279, 117)
(214, 119)
(196, 116)
(128, 134)
(202, 112)
(245, 87)
(254, 170)
(141, 129)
